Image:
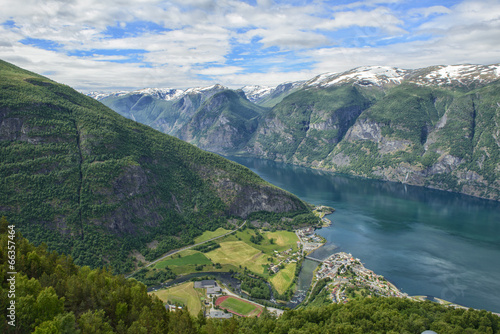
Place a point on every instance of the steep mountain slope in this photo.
(164, 109)
(223, 124)
(88, 182)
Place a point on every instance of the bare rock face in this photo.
(251, 199)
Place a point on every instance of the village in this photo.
(349, 279)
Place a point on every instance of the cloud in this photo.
(111, 44)
(379, 18)
(428, 11)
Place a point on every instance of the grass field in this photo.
(239, 253)
(207, 235)
(183, 294)
(284, 278)
(282, 240)
(238, 306)
(195, 258)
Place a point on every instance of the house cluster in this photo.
(348, 274)
(309, 240)
(284, 257)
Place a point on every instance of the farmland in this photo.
(239, 253)
(207, 235)
(183, 294)
(195, 258)
(284, 278)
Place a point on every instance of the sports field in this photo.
(183, 294)
(238, 306)
(239, 253)
(207, 235)
(284, 278)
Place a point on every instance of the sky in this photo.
(96, 45)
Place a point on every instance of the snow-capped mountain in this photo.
(161, 93)
(462, 75)
(254, 93)
(166, 94)
(101, 95)
(365, 76)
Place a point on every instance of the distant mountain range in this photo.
(435, 126)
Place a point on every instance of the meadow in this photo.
(239, 253)
(284, 278)
(183, 294)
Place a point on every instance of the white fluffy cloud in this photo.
(184, 43)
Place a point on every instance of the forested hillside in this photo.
(95, 185)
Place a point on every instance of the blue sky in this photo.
(130, 44)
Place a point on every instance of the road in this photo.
(184, 248)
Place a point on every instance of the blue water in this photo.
(427, 242)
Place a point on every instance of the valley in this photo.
(435, 127)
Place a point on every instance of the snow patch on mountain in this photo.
(203, 90)
(364, 76)
(166, 94)
(101, 95)
(463, 75)
(254, 93)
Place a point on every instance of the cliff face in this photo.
(89, 182)
(437, 138)
(223, 124)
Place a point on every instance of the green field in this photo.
(240, 306)
(284, 278)
(195, 258)
(283, 240)
(207, 235)
(239, 253)
(183, 294)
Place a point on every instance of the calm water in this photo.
(425, 241)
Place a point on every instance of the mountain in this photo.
(93, 184)
(222, 124)
(435, 126)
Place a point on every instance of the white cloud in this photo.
(379, 18)
(201, 35)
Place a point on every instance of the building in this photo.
(207, 283)
(219, 314)
(214, 291)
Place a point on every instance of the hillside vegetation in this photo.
(53, 295)
(95, 185)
